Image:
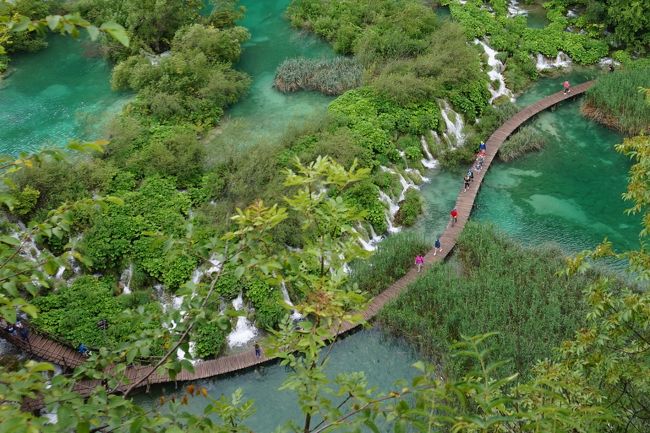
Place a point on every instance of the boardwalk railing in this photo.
(52, 351)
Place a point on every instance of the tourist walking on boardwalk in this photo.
(454, 216)
(466, 183)
(470, 173)
(482, 147)
(437, 247)
(258, 351)
(419, 261)
(567, 87)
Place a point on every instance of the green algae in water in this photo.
(570, 192)
(55, 95)
(264, 115)
(383, 359)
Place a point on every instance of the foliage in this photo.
(373, 119)
(209, 339)
(36, 10)
(267, 302)
(485, 292)
(328, 76)
(616, 101)
(393, 30)
(365, 195)
(527, 139)
(513, 36)
(625, 24)
(409, 208)
(151, 24)
(193, 83)
(72, 313)
(130, 230)
(395, 255)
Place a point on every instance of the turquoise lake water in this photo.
(55, 95)
(384, 359)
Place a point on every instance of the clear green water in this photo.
(536, 15)
(384, 360)
(264, 114)
(60, 93)
(570, 192)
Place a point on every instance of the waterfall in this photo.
(454, 128)
(125, 279)
(59, 272)
(428, 162)
(287, 300)
(406, 184)
(199, 273)
(392, 210)
(416, 173)
(244, 330)
(495, 73)
(515, 10)
(561, 61)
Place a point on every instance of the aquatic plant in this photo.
(616, 101)
(527, 139)
(482, 290)
(329, 76)
(392, 259)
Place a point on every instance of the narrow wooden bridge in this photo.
(47, 349)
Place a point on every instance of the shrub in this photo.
(409, 208)
(365, 195)
(72, 313)
(267, 302)
(394, 257)
(330, 76)
(527, 139)
(209, 340)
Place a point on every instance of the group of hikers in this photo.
(19, 329)
(467, 180)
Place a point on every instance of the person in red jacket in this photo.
(454, 216)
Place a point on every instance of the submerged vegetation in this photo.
(330, 77)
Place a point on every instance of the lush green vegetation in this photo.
(331, 77)
(72, 313)
(620, 23)
(527, 139)
(409, 209)
(395, 255)
(493, 285)
(518, 43)
(616, 101)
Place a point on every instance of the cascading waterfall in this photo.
(125, 279)
(515, 10)
(495, 73)
(561, 61)
(454, 134)
(370, 244)
(393, 207)
(406, 184)
(295, 315)
(244, 330)
(429, 162)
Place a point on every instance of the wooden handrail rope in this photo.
(245, 360)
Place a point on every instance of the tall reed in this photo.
(493, 285)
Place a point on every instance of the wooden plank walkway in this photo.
(45, 348)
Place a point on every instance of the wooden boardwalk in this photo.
(45, 348)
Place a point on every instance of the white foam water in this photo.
(295, 315)
(429, 161)
(515, 10)
(125, 279)
(244, 330)
(495, 73)
(560, 61)
(454, 133)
